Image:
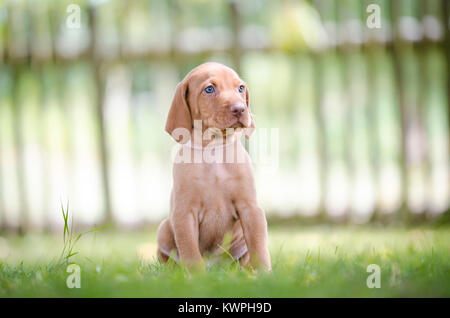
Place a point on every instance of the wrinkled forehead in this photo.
(216, 74)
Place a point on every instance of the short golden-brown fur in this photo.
(209, 200)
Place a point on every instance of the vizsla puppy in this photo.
(212, 198)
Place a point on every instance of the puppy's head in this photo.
(214, 94)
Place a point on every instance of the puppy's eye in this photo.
(209, 89)
(241, 88)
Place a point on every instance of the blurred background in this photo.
(362, 112)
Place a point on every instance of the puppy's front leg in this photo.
(185, 230)
(254, 226)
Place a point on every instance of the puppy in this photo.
(211, 198)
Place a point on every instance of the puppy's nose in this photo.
(237, 109)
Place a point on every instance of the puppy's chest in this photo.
(217, 199)
(216, 219)
(222, 180)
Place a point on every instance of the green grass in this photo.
(325, 261)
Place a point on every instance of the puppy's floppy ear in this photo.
(249, 130)
(179, 114)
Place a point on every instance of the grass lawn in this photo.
(321, 261)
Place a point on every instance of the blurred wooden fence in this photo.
(408, 58)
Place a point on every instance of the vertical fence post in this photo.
(421, 111)
(396, 46)
(3, 221)
(370, 50)
(446, 24)
(236, 51)
(99, 105)
(344, 54)
(16, 71)
(43, 109)
(18, 136)
(321, 135)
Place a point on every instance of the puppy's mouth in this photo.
(241, 122)
(237, 124)
(232, 123)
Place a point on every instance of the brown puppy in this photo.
(211, 199)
